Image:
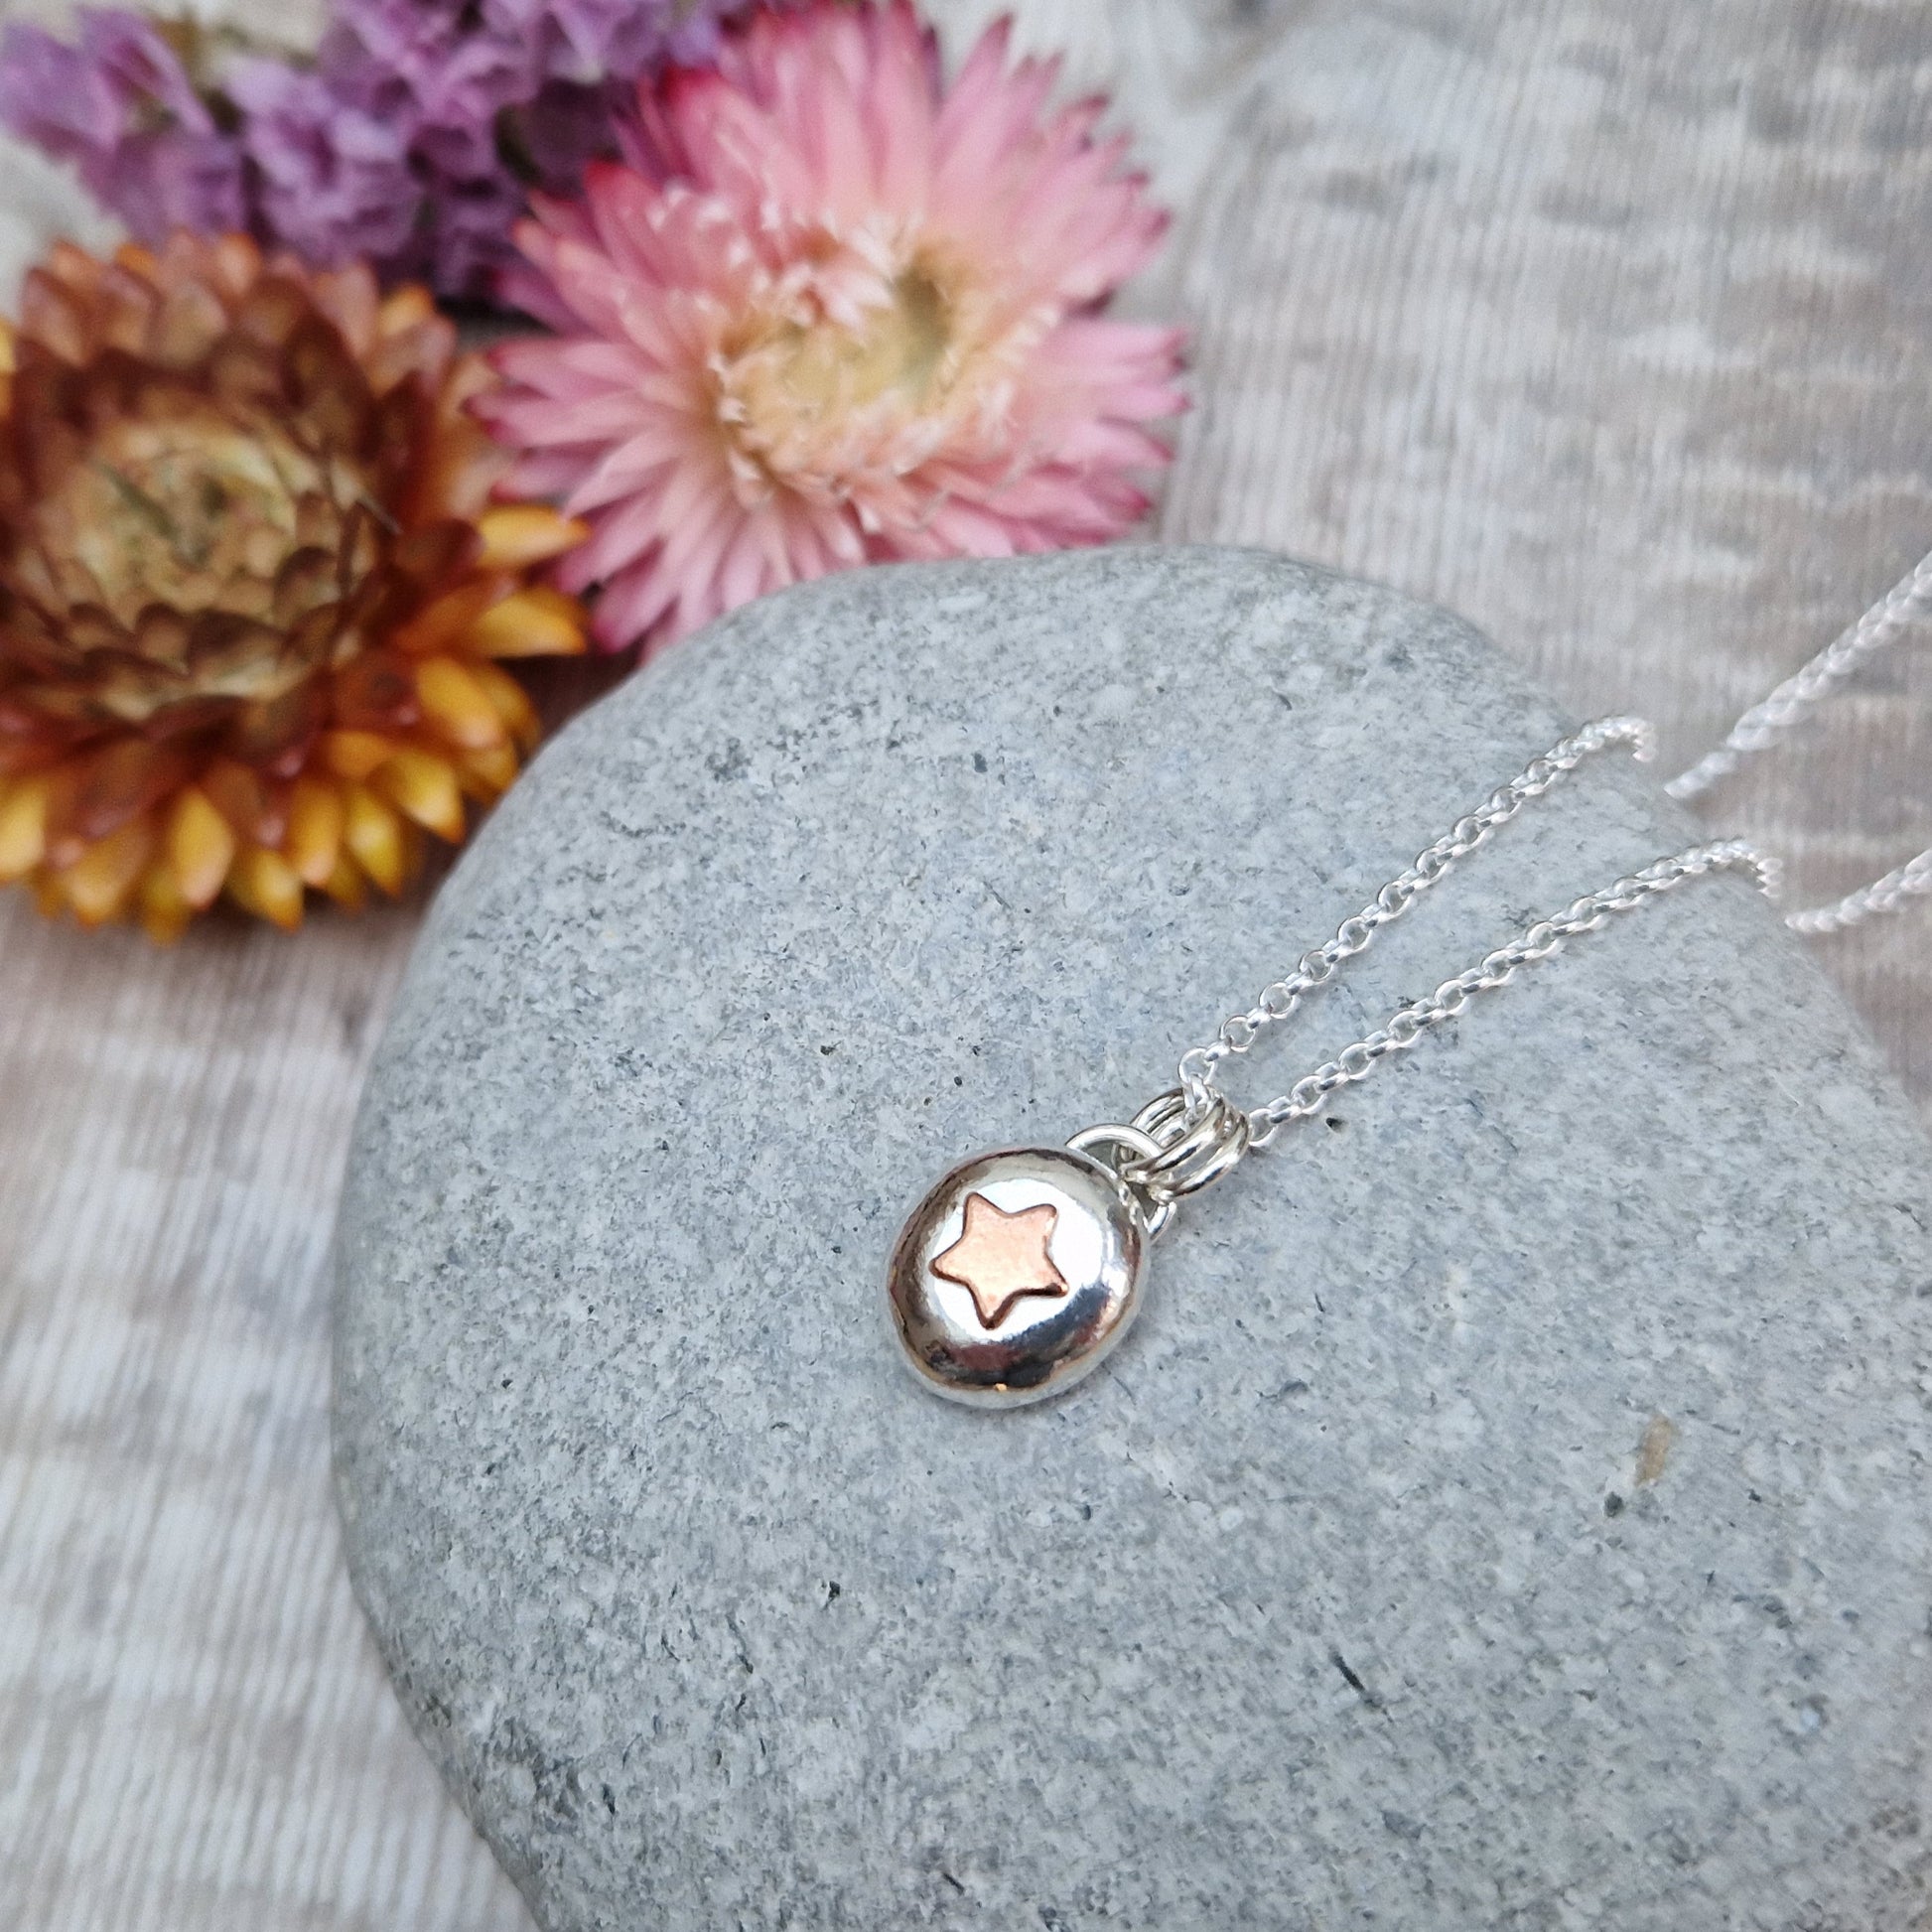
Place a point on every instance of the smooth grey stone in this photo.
(1511, 1511)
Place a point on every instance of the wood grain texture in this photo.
(1603, 321)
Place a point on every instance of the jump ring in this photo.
(1193, 1153)
(1155, 1214)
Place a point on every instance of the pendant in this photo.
(1017, 1275)
(1020, 1271)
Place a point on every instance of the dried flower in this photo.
(497, 97)
(833, 313)
(331, 182)
(411, 140)
(251, 588)
(122, 107)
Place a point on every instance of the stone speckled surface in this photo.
(1511, 1511)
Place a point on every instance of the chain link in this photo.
(1534, 942)
(1317, 967)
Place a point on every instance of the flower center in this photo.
(827, 370)
(818, 394)
(194, 510)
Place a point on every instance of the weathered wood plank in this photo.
(1602, 322)
(196, 1731)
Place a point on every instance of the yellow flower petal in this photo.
(374, 834)
(441, 624)
(458, 705)
(263, 882)
(424, 787)
(22, 827)
(355, 754)
(511, 702)
(406, 309)
(348, 884)
(165, 913)
(488, 774)
(315, 840)
(97, 884)
(201, 846)
(535, 622)
(518, 535)
(242, 797)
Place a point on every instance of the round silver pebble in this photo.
(1016, 1275)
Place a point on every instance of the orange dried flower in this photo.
(253, 590)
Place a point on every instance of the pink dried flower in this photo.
(833, 313)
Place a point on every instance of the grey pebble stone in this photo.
(1511, 1509)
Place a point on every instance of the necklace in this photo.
(1022, 1269)
(1773, 718)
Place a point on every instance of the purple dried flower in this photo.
(413, 139)
(332, 183)
(121, 107)
(468, 241)
(567, 127)
(592, 40)
(500, 97)
(441, 64)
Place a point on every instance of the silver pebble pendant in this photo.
(1017, 1275)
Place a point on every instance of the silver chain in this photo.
(1188, 1138)
(1768, 722)
(1909, 881)
(1765, 722)
(1534, 942)
(1317, 967)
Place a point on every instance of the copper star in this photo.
(999, 1257)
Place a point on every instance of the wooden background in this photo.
(1603, 321)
